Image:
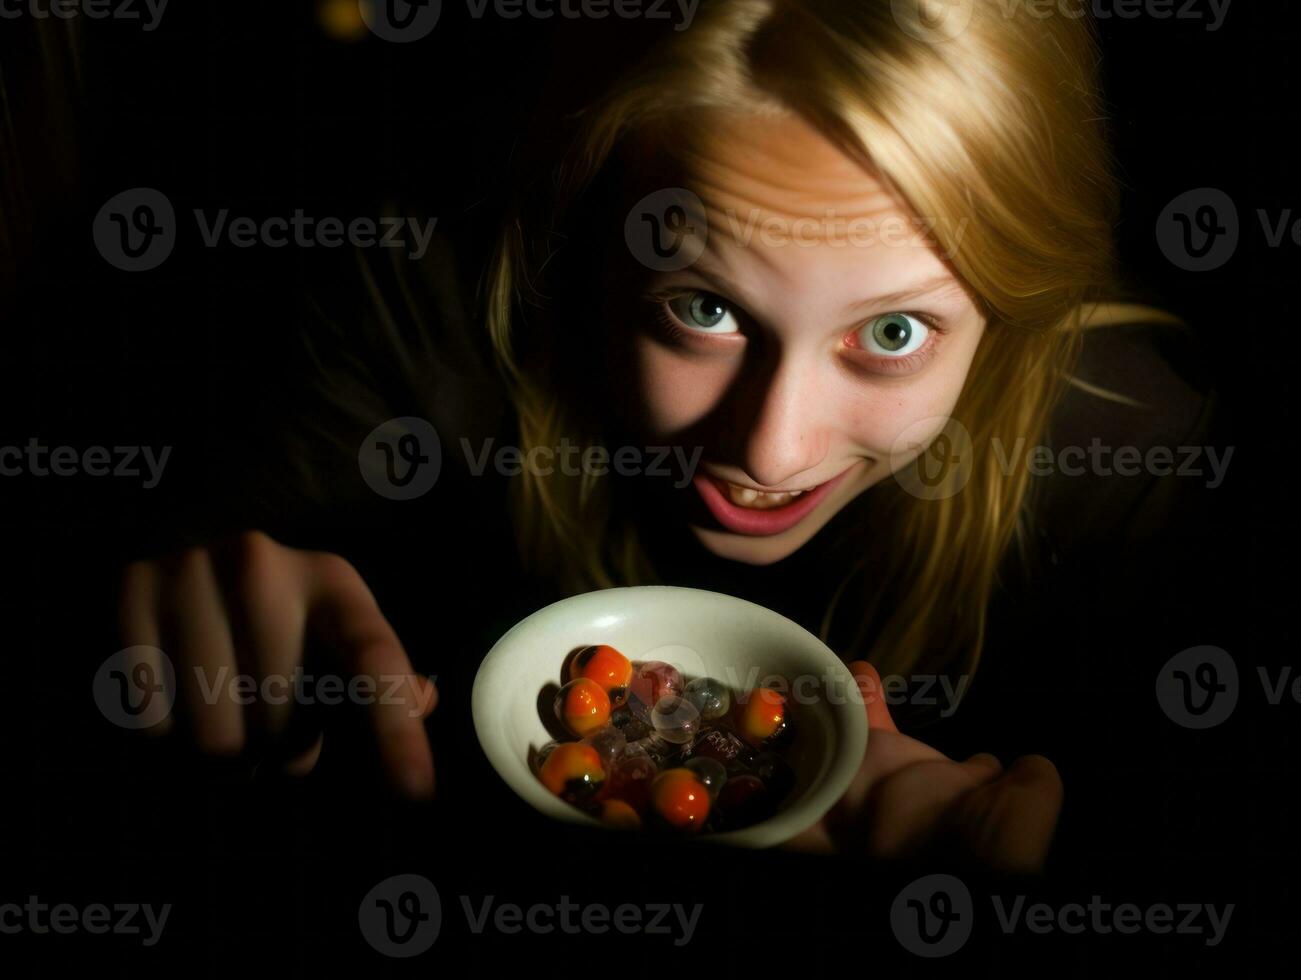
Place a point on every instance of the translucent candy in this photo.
(744, 800)
(631, 778)
(665, 754)
(609, 743)
(723, 745)
(650, 682)
(776, 773)
(626, 721)
(711, 698)
(709, 771)
(675, 719)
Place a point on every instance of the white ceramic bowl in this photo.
(701, 633)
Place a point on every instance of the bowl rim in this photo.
(851, 728)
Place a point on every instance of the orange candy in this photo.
(619, 814)
(573, 771)
(680, 799)
(606, 666)
(761, 717)
(583, 707)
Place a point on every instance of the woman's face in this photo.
(816, 345)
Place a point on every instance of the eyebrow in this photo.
(915, 291)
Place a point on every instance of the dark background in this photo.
(254, 108)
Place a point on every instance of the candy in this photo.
(709, 771)
(609, 743)
(720, 744)
(709, 696)
(675, 719)
(630, 780)
(573, 771)
(665, 754)
(679, 799)
(777, 775)
(761, 718)
(618, 814)
(606, 666)
(583, 707)
(743, 800)
(650, 682)
(633, 728)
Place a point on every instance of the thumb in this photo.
(869, 686)
(428, 695)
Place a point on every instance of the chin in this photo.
(752, 549)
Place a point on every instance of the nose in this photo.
(777, 424)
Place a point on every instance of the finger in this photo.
(869, 685)
(906, 811)
(347, 618)
(267, 609)
(984, 761)
(428, 695)
(138, 626)
(194, 620)
(305, 762)
(1008, 824)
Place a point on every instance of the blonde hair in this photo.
(996, 131)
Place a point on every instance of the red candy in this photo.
(583, 707)
(642, 758)
(573, 771)
(607, 666)
(680, 799)
(761, 718)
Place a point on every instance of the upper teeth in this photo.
(745, 497)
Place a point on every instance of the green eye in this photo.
(703, 312)
(893, 335)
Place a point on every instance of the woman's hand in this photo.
(908, 798)
(252, 607)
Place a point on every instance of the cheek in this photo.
(891, 420)
(672, 393)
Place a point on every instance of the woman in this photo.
(844, 259)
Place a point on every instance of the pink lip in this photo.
(744, 520)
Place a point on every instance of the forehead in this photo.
(778, 193)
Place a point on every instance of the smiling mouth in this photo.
(757, 499)
(744, 510)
